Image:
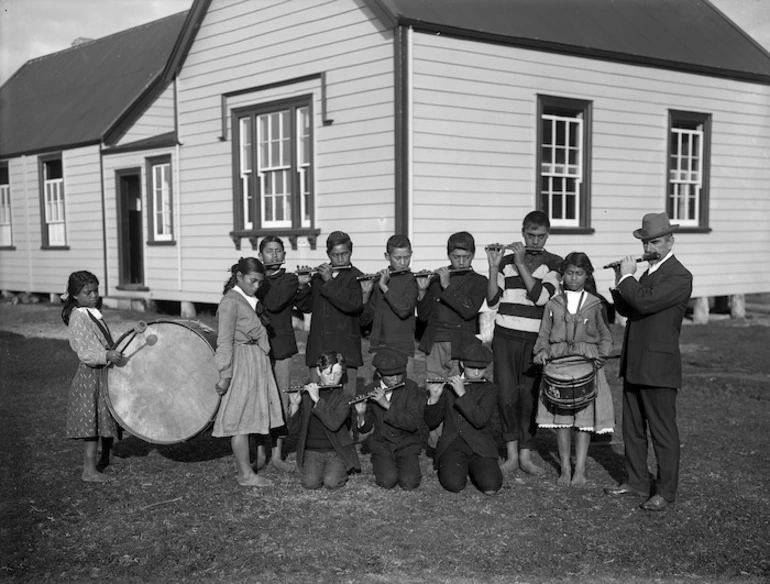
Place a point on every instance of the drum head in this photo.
(165, 393)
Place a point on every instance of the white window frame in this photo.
(54, 212)
(273, 177)
(687, 180)
(6, 219)
(161, 181)
(564, 162)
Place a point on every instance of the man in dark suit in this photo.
(651, 364)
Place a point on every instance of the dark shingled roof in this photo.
(685, 35)
(75, 96)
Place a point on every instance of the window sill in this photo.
(693, 230)
(55, 247)
(572, 230)
(7, 248)
(132, 288)
(162, 243)
(292, 235)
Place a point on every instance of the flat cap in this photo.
(475, 355)
(390, 362)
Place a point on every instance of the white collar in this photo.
(94, 312)
(654, 267)
(252, 300)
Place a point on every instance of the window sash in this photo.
(274, 167)
(5, 215)
(561, 168)
(54, 210)
(161, 202)
(685, 175)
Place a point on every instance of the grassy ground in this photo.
(176, 514)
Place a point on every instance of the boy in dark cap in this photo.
(392, 411)
(450, 303)
(467, 446)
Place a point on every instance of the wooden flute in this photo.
(302, 272)
(298, 388)
(376, 276)
(447, 380)
(500, 247)
(653, 255)
(424, 273)
(366, 396)
(273, 265)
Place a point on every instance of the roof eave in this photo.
(548, 46)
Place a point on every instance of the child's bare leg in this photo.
(564, 441)
(259, 448)
(526, 464)
(511, 462)
(275, 458)
(90, 473)
(104, 458)
(246, 475)
(582, 440)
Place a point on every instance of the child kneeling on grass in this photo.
(326, 452)
(393, 417)
(467, 446)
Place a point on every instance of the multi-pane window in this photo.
(688, 164)
(273, 155)
(6, 237)
(52, 201)
(563, 161)
(160, 199)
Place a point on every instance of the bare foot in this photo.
(564, 477)
(260, 464)
(530, 467)
(95, 477)
(510, 465)
(254, 481)
(281, 465)
(579, 480)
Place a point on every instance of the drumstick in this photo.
(149, 341)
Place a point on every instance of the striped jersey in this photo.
(518, 310)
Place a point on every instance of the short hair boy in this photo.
(392, 414)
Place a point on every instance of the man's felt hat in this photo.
(390, 362)
(655, 225)
(475, 355)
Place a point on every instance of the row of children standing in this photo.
(256, 337)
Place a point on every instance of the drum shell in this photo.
(165, 393)
(569, 382)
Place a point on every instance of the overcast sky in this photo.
(32, 28)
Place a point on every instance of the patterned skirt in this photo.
(87, 413)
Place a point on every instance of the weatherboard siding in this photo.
(27, 267)
(157, 119)
(474, 136)
(246, 44)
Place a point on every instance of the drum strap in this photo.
(103, 328)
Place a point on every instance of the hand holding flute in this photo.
(377, 394)
(653, 255)
(436, 387)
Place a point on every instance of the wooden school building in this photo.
(157, 156)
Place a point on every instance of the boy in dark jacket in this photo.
(467, 446)
(392, 414)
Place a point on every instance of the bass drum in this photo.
(165, 393)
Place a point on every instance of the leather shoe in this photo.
(655, 503)
(625, 489)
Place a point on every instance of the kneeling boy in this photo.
(325, 449)
(394, 415)
(467, 446)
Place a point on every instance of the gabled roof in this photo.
(685, 35)
(76, 96)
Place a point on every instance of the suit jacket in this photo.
(397, 425)
(392, 314)
(655, 306)
(452, 312)
(278, 296)
(334, 413)
(468, 417)
(336, 306)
